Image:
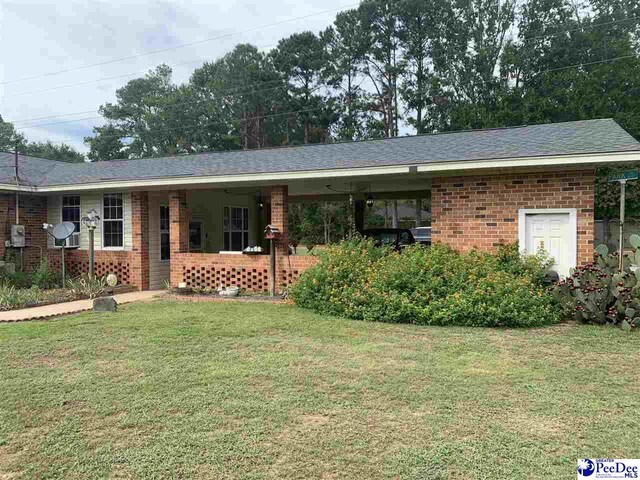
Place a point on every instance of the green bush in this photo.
(430, 286)
(45, 278)
(18, 280)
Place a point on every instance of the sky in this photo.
(41, 38)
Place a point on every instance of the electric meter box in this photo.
(17, 236)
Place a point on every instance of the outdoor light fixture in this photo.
(260, 202)
(91, 222)
(370, 200)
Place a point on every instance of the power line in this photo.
(173, 105)
(584, 27)
(187, 127)
(88, 82)
(30, 92)
(92, 111)
(100, 80)
(275, 88)
(320, 108)
(153, 52)
(164, 106)
(433, 58)
(585, 64)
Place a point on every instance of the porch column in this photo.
(178, 234)
(140, 233)
(179, 222)
(279, 217)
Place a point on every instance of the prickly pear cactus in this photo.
(598, 293)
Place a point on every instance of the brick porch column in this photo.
(140, 233)
(178, 232)
(279, 217)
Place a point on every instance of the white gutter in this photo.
(586, 160)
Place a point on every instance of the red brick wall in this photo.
(118, 262)
(246, 271)
(482, 211)
(212, 270)
(140, 234)
(280, 217)
(179, 222)
(33, 213)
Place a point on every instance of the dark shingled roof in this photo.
(569, 138)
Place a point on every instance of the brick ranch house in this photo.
(188, 218)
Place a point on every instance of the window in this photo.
(165, 245)
(71, 213)
(195, 236)
(236, 228)
(112, 220)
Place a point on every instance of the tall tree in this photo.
(10, 139)
(148, 119)
(105, 144)
(382, 65)
(301, 60)
(346, 48)
(416, 32)
(61, 152)
(466, 56)
(244, 90)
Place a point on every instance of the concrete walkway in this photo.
(67, 308)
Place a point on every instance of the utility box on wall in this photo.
(17, 236)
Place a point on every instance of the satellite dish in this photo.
(63, 230)
(112, 280)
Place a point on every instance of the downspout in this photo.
(21, 250)
(17, 187)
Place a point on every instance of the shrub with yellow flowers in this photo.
(428, 286)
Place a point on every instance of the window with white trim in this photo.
(236, 229)
(70, 207)
(112, 220)
(165, 236)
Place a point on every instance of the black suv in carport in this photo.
(397, 238)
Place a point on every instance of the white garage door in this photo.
(553, 232)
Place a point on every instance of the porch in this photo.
(199, 237)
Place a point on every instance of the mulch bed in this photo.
(110, 291)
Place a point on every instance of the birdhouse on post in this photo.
(271, 233)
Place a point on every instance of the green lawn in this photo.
(249, 390)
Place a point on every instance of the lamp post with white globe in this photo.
(91, 222)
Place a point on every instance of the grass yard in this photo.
(246, 390)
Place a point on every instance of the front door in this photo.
(551, 232)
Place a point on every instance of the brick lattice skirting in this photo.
(211, 270)
(77, 262)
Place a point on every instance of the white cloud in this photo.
(39, 37)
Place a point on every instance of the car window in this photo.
(404, 237)
(384, 238)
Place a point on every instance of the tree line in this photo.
(385, 68)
